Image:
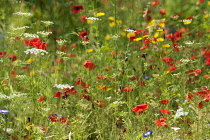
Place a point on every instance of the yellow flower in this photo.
(112, 24)
(161, 25)
(152, 23)
(119, 21)
(137, 39)
(156, 34)
(90, 50)
(107, 37)
(100, 14)
(111, 18)
(187, 22)
(160, 39)
(159, 30)
(145, 36)
(29, 61)
(206, 16)
(89, 21)
(208, 2)
(165, 45)
(32, 73)
(129, 34)
(123, 34)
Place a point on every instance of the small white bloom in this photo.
(92, 18)
(36, 51)
(44, 33)
(23, 14)
(28, 35)
(130, 30)
(175, 128)
(8, 130)
(20, 28)
(180, 112)
(47, 23)
(61, 42)
(63, 86)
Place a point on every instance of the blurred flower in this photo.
(164, 102)
(12, 57)
(41, 98)
(84, 36)
(200, 105)
(147, 134)
(128, 88)
(155, 3)
(4, 111)
(8, 130)
(165, 111)
(3, 53)
(77, 8)
(161, 122)
(23, 14)
(140, 108)
(100, 14)
(83, 18)
(146, 77)
(175, 128)
(35, 51)
(89, 64)
(162, 11)
(180, 112)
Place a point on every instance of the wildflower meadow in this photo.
(104, 70)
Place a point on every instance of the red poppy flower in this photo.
(128, 88)
(25, 68)
(200, 105)
(12, 57)
(41, 98)
(3, 53)
(77, 8)
(178, 35)
(164, 102)
(89, 64)
(195, 72)
(84, 36)
(162, 11)
(57, 94)
(172, 68)
(161, 122)
(53, 117)
(190, 97)
(140, 108)
(83, 18)
(155, 3)
(101, 77)
(132, 37)
(167, 59)
(144, 47)
(165, 111)
(207, 77)
(207, 61)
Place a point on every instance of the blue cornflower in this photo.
(147, 134)
(4, 111)
(146, 77)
